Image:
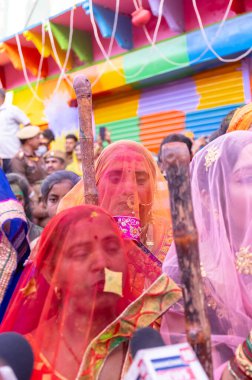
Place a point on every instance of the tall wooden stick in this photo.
(176, 159)
(83, 92)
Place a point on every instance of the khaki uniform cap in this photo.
(55, 153)
(28, 132)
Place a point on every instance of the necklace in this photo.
(69, 348)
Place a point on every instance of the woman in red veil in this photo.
(85, 294)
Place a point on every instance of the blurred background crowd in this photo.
(40, 175)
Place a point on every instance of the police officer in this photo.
(54, 160)
(26, 161)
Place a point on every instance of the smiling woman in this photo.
(84, 296)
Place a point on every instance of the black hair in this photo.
(71, 136)
(175, 137)
(57, 177)
(223, 127)
(48, 134)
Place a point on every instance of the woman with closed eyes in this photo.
(83, 297)
(132, 189)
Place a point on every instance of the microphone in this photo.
(145, 338)
(153, 360)
(16, 357)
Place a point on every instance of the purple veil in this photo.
(221, 181)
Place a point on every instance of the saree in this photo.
(84, 295)
(14, 246)
(221, 181)
(132, 189)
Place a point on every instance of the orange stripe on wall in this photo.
(155, 127)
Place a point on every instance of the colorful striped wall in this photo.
(197, 103)
(128, 100)
(169, 59)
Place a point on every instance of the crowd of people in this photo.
(28, 159)
(78, 280)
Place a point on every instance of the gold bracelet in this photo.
(243, 362)
(232, 372)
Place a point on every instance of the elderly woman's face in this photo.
(57, 192)
(87, 255)
(125, 187)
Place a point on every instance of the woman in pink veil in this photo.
(221, 180)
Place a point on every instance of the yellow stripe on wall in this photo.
(112, 107)
(103, 76)
(220, 87)
(33, 108)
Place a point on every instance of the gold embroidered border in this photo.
(11, 209)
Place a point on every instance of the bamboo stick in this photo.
(83, 92)
(175, 160)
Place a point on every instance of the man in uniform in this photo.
(54, 160)
(26, 162)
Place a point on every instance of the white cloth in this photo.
(10, 119)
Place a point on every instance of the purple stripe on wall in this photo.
(246, 80)
(180, 95)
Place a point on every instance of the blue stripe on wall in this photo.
(234, 37)
(204, 122)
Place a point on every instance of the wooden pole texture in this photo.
(83, 92)
(175, 161)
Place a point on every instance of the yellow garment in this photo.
(242, 119)
(75, 166)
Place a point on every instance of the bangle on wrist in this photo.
(236, 371)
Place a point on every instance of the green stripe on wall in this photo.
(154, 59)
(126, 129)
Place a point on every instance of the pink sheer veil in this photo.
(221, 181)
